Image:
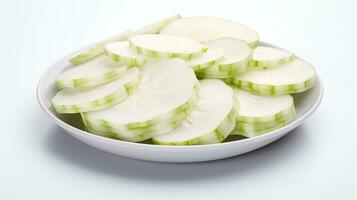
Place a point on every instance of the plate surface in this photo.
(306, 103)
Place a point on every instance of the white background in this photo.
(39, 161)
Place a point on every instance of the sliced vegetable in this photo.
(166, 46)
(76, 100)
(260, 109)
(236, 57)
(94, 72)
(211, 57)
(255, 127)
(122, 53)
(213, 72)
(265, 57)
(293, 77)
(167, 89)
(156, 26)
(210, 122)
(204, 29)
(255, 113)
(141, 133)
(252, 131)
(142, 128)
(97, 49)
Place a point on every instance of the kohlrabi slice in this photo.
(94, 72)
(265, 57)
(207, 28)
(208, 58)
(258, 109)
(144, 129)
(166, 46)
(211, 121)
(212, 72)
(256, 127)
(138, 134)
(76, 100)
(155, 27)
(250, 125)
(122, 53)
(293, 77)
(236, 53)
(168, 88)
(97, 49)
(236, 57)
(254, 131)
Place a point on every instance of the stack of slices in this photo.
(182, 81)
(265, 88)
(260, 114)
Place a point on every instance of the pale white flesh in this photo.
(91, 69)
(75, 96)
(251, 105)
(211, 55)
(297, 71)
(123, 49)
(165, 85)
(234, 50)
(167, 43)
(207, 28)
(215, 103)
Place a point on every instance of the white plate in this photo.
(306, 103)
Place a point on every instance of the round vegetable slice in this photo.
(139, 134)
(213, 72)
(208, 28)
(158, 98)
(236, 53)
(256, 132)
(211, 57)
(144, 130)
(122, 53)
(265, 57)
(76, 100)
(293, 77)
(97, 49)
(254, 127)
(94, 72)
(236, 57)
(211, 121)
(259, 109)
(155, 27)
(166, 46)
(119, 136)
